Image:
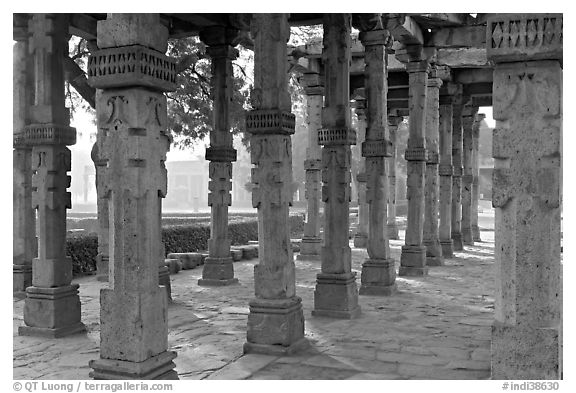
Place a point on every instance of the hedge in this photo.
(177, 238)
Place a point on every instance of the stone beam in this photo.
(83, 26)
(462, 57)
(443, 18)
(483, 88)
(77, 78)
(405, 30)
(459, 37)
(473, 75)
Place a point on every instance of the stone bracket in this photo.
(416, 154)
(220, 154)
(336, 136)
(48, 134)
(381, 148)
(270, 121)
(133, 65)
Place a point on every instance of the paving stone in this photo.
(422, 360)
(301, 371)
(481, 354)
(243, 368)
(372, 376)
(450, 353)
(469, 365)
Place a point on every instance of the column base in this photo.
(520, 352)
(164, 280)
(218, 272)
(476, 233)
(393, 231)
(275, 326)
(433, 253)
(447, 248)
(457, 241)
(157, 367)
(360, 240)
(52, 312)
(467, 236)
(336, 296)
(378, 277)
(102, 262)
(310, 249)
(413, 261)
(22, 277)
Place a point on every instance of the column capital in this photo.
(521, 37)
(418, 66)
(312, 84)
(218, 35)
(434, 82)
(380, 37)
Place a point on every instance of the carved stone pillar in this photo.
(52, 305)
(361, 235)
(527, 148)
(413, 257)
(336, 294)
(392, 226)
(276, 320)
(467, 126)
(133, 141)
(378, 271)
(102, 259)
(445, 174)
(311, 245)
(476, 176)
(431, 203)
(455, 226)
(218, 268)
(24, 235)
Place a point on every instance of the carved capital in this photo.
(519, 37)
(220, 154)
(445, 170)
(133, 65)
(336, 136)
(49, 134)
(270, 121)
(416, 154)
(381, 148)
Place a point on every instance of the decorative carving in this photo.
(49, 179)
(432, 158)
(457, 171)
(516, 37)
(336, 174)
(416, 154)
(270, 121)
(378, 148)
(48, 134)
(313, 165)
(361, 177)
(220, 185)
(220, 154)
(445, 170)
(336, 136)
(133, 65)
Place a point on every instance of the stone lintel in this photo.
(336, 136)
(124, 29)
(130, 66)
(157, 367)
(379, 148)
(270, 121)
(220, 154)
(48, 134)
(416, 154)
(521, 37)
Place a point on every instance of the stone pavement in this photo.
(435, 327)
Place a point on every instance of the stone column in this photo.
(445, 174)
(361, 235)
(413, 257)
(455, 226)
(336, 294)
(378, 271)
(527, 148)
(133, 140)
(24, 233)
(218, 268)
(52, 305)
(311, 245)
(102, 259)
(475, 176)
(392, 226)
(276, 320)
(467, 126)
(431, 202)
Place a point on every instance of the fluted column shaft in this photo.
(393, 122)
(361, 235)
(455, 226)
(467, 177)
(476, 177)
(445, 171)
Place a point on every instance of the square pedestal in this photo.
(22, 277)
(310, 249)
(156, 367)
(447, 250)
(51, 312)
(378, 277)
(467, 236)
(413, 261)
(433, 253)
(360, 240)
(275, 326)
(218, 272)
(520, 352)
(457, 244)
(336, 296)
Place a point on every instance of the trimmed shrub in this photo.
(83, 251)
